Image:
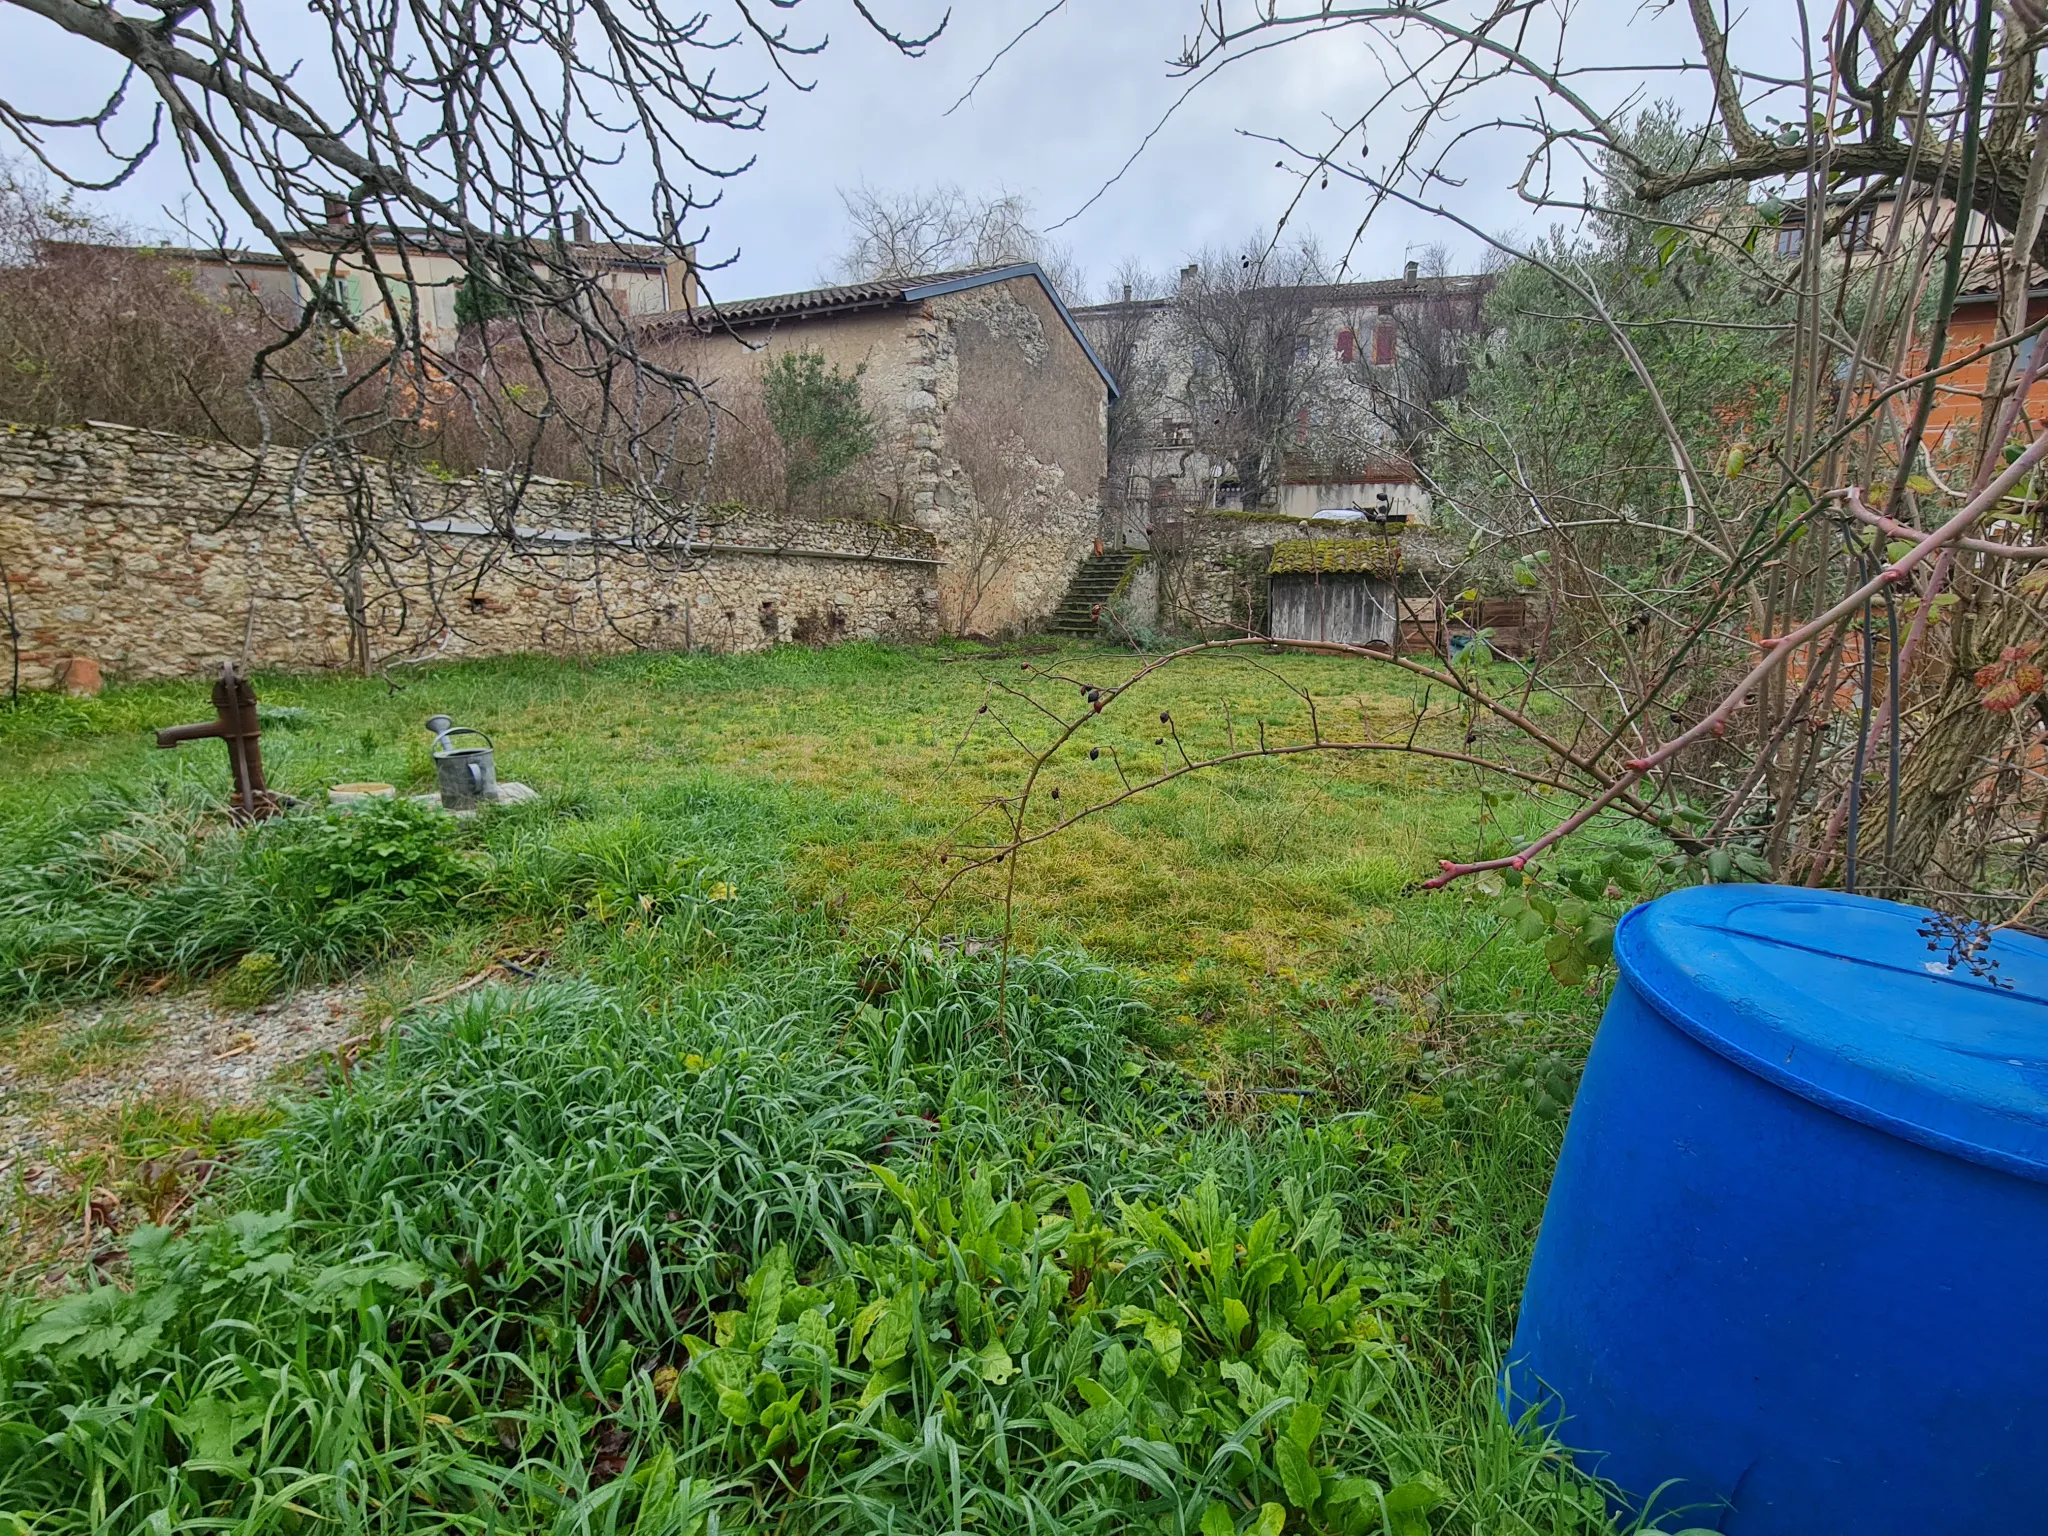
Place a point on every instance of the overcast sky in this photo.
(1053, 120)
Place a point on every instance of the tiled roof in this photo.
(1379, 557)
(1381, 289)
(837, 299)
(846, 298)
(229, 257)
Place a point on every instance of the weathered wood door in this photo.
(1349, 609)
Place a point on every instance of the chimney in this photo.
(579, 225)
(682, 280)
(1408, 272)
(1127, 293)
(1188, 274)
(336, 211)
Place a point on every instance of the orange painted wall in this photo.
(1958, 401)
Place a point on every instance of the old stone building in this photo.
(1363, 361)
(427, 270)
(1346, 372)
(988, 399)
(148, 554)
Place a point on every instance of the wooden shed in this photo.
(1339, 589)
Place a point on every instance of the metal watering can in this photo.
(468, 776)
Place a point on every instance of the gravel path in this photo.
(184, 1046)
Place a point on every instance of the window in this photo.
(1384, 348)
(1791, 239)
(341, 294)
(1859, 230)
(1347, 345)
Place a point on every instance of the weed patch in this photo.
(797, 1237)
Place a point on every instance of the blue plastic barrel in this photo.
(1793, 1271)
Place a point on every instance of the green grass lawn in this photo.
(1220, 892)
(756, 1208)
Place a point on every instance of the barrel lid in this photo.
(1840, 999)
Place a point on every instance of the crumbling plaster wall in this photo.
(158, 556)
(996, 351)
(1004, 360)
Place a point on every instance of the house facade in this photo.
(1957, 416)
(1363, 359)
(428, 270)
(425, 269)
(988, 400)
(1364, 363)
(1857, 226)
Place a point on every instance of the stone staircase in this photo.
(1099, 578)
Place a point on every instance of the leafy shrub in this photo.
(817, 413)
(1549, 1079)
(1131, 625)
(503, 1275)
(158, 882)
(379, 848)
(1011, 1359)
(1176, 1364)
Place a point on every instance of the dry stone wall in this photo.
(1212, 569)
(159, 556)
(1212, 566)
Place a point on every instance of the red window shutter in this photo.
(1383, 341)
(1347, 345)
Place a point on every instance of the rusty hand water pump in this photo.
(235, 724)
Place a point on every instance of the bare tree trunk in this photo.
(357, 607)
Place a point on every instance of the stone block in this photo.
(78, 676)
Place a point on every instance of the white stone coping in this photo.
(563, 536)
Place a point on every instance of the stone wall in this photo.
(1212, 568)
(159, 556)
(1212, 565)
(1022, 450)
